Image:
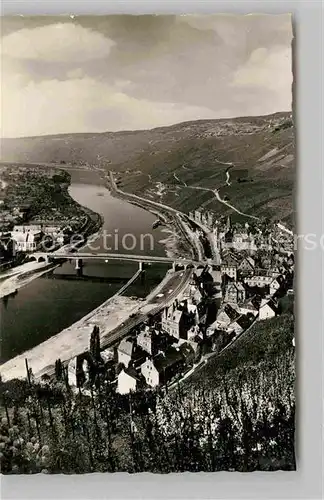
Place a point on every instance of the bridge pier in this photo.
(141, 267)
(79, 266)
(173, 266)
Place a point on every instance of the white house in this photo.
(25, 241)
(235, 327)
(258, 281)
(145, 341)
(268, 309)
(107, 354)
(150, 373)
(127, 381)
(163, 367)
(171, 321)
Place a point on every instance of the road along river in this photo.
(46, 306)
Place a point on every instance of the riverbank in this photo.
(74, 339)
(72, 336)
(173, 244)
(113, 318)
(18, 276)
(71, 341)
(22, 276)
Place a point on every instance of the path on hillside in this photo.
(232, 207)
(182, 182)
(228, 178)
(215, 192)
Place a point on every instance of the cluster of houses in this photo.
(27, 238)
(18, 235)
(205, 218)
(249, 238)
(219, 304)
(150, 356)
(244, 289)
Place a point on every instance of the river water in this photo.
(46, 306)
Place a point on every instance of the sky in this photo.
(110, 73)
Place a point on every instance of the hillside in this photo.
(237, 413)
(161, 163)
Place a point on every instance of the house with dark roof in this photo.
(162, 367)
(152, 341)
(246, 266)
(269, 309)
(227, 314)
(234, 293)
(276, 284)
(242, 323)
(179, 318)
(251, 306)
(229, 266)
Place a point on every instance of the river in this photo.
(46, 306)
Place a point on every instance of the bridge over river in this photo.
(140, 259)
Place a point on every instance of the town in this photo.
(253, 282)
(148, 246)
(36, 212)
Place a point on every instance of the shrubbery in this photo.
(236, 413)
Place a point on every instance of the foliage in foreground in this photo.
(242, 420)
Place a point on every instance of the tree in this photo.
(58, 370)
(58, 178)
(95, 343)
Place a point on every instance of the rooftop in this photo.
(169, 358)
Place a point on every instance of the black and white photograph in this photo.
(147, 244)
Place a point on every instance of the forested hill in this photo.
(161, 162)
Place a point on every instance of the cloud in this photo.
(269, 70)
(58, 42)
(80, 105)
(75, 73)
(100, 73)
(264, 67)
